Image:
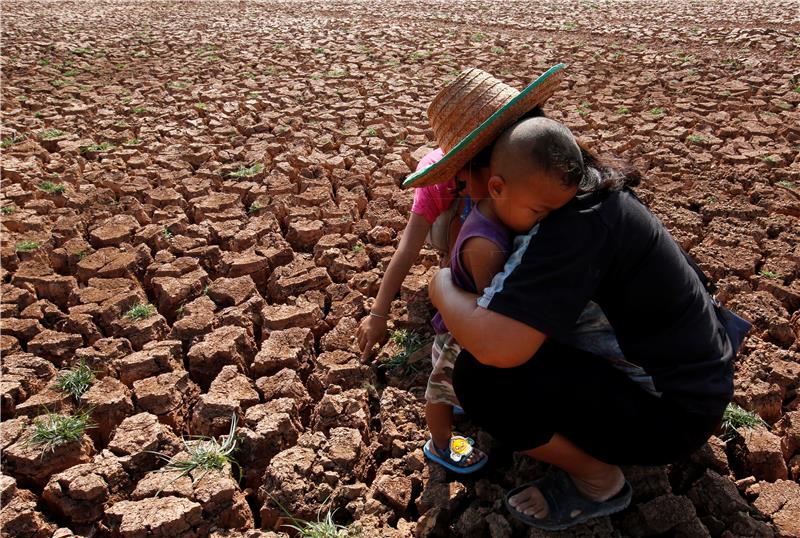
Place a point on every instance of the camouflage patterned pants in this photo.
(440, 384)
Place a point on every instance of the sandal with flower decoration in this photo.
(456, 455)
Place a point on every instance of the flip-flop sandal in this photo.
(567, 507)
(458, 450)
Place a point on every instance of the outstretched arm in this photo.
(492, 338)
(373, 328)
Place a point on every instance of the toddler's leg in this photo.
(440, 423)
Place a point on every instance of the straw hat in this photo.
(471, 112)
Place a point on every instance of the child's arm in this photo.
(482, 259)
(373, 327)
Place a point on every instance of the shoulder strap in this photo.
(710, 287)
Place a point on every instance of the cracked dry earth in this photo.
(236, 165)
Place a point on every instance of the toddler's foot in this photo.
(459, 456)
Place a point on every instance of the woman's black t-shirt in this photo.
(606, 247)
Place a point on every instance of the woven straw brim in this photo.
(535, 94)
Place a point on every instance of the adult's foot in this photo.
(599, 487)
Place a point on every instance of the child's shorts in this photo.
(440, 384)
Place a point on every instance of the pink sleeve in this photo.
(432, 200)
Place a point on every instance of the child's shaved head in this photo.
(538, 144)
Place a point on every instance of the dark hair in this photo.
(481, 160)
(594, 173)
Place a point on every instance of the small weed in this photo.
(323, 527)
(95, 148)
(132, 142)
(617, 55)
(81, 51)
(731, 63)
(498, 50)
(53, 430)
(50, 134)
(205, 289)
(420, 54)
(393, 63)
(372, 132)
(695, 139)
(81, 254)
(8, 210)
(786, 184)
(140, 311)
(768, 274)
(569, 26)
(657, 111)
(584, 108)
(478, 37)
(178, 85)
(734, 419)
(269, 70)
(249, 75)
(254, 208)
(685, 58)
(319, 50)
(139, 110)
(205, 454)
(9, 141)
(253, 95)
(70, 73)
(140, 54)
(623, 110)
(796, 89)
(247, 172)
(771, 160)
(75, 381)
(358, 247)
(44, 61)
(167, 233)
(26, 246)
(201, 106)
(411, 342)
(52, 188)
(336, 73)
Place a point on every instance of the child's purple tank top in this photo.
(476, 225)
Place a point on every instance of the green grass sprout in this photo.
(247, 172)
(204, 453)
(76, 380)
(52, 188)
(410, 342)
(26, 246)
(140, 311)
(735, 418)
(50, 134)
(53, 429)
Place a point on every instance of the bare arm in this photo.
(482, 259)
(372, 329)
(511, 343)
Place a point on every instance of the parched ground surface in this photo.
(235, 164)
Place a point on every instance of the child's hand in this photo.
(371, 331)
